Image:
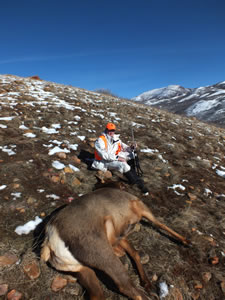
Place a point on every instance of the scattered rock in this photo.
(214, 260)
(206, 276)
(76, 160)
(58, 283)
(103, 175)
(8, 259)
(14, 295)
(144, 257)
(32, 270)
(3, 289)
(192, 197)
(154, 277)
(76, 182)
(31, 200)
(198, 285)
(61, 155)
(55, 178)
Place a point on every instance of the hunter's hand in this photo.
(133, 146)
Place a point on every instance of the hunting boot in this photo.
(133, 178)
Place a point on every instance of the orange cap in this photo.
(111, 126)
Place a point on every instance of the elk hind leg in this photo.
(88, 279)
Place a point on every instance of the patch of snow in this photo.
(163, 290)
(28, 227)
(149, 150)
(220, 173)
(53, 196)
(29, 135)
(57, 150)
(6, 118)
(201, 106)
(23, 127)
(75, 169)
(49, 130)
(58, 165)
(81, 137)
(2, 187)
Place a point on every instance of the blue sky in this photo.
(126, 46)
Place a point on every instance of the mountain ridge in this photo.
(205, 103)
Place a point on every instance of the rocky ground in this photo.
(47, 134)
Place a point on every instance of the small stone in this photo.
(55, 178)
(68, 170)
(14, 295)
(61, 155)
(192, 196)
(76, 160)
(32, 270)
(167, 174)
(144, 258)
(198, 285)
(206, 276)
(3, 289)
(16, 185)
(103, 175)
(8, 259)
(76, 182)
(42, 214)
(58, 283)
(154, 277)
(31, 200)
(214, 260)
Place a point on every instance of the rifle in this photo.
(137, 166)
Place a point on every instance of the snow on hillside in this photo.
(205, 103)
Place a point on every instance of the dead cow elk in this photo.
(91, 233)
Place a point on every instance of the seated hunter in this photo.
(112, 154)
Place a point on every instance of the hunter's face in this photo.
(111, 133)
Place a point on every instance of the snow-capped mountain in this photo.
(204, 103)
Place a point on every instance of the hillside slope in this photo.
(204, 103)
(47, 134)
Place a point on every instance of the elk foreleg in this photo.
(136, 257)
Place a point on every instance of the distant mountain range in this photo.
(204, 103)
